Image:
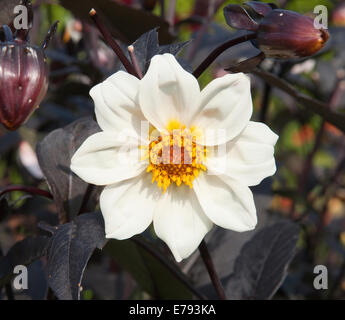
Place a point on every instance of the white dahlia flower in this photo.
(176, 156)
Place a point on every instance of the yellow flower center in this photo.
(175, 156)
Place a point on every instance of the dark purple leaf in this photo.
(225, 245)
(23, 253)
(72, 245)
(122, 20)
(262, 264)
(247, 65)
(145, 48)
(54, 156)
(174, 48)
(148, 46)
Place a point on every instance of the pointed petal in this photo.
(228, 203)
(167, 92)
(104, 159)
(128, 206)
(116, 105)
(180, 222)
(249, 158)
(225, 108)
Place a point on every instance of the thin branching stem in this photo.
(314, 105)
(206, 257)
(218, 51)
(31, 190)
(112, 43)
(135, 61)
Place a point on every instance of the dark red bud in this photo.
(240, 17)
(248, 15)
(23, 82)
(288, 34)
(260, 7)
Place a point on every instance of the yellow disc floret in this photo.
(175, 157)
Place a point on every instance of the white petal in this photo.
(228, 203)
(105, 158)
(128, 206)
(225, 108)
(180, 222)
(249, 158)
(116, 104)
(168, 92)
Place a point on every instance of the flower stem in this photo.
(265, 103)
(218, 51)
(205, 255)
(112, 43)
(31, 190)
(135, 62)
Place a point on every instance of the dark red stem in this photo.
(112, 43)
(218, 51)
(31, 190)
(206, 257)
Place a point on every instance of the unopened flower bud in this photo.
(23, 73)
(288, 34)
(23, 82)
(280, 33)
